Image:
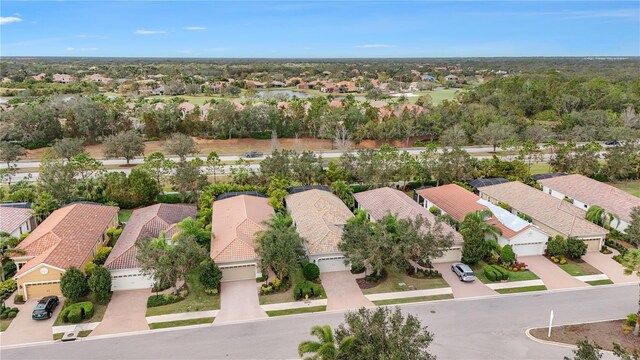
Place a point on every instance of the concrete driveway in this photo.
(239, 301)
(551, 274)
(343, 291)
(125, 313)
(610, 267)
(25, 330)
(462, 289)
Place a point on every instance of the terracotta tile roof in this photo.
(383, 201)
(452, 199)
(12, 218)
(593, 192)
(236, 220)
(319, 217)
(68, 236)
(149, 221)
(548, 210)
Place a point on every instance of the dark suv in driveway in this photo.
(45, 308)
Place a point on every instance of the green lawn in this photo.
(287, 296)
(632, 187)
(168, 324)
(600, 282)
(83, 333)
(197, 300)
(413, 299)
(395, 278)
(124, 215)
(579, 268)
(540, 168)
(513, 275)
(522, 289)
(98, 314)
(4, 324)
(311, 309)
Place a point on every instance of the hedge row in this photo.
(496, 273)
(306, 288)
(75, 313)
(8, 312)
(7, 287)
(161, 300)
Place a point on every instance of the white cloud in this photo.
(70, 49)
(369, 46)
(149, 32)
(195, 28)
(9, 19)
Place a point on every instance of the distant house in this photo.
(428, 78)
(319, 217)
(62, 78)
(277, 84)
(147, 222)
(186, 107)
(97, 78)
(585, 192)
(384, 201)
(70, 236)
(554, 216)
(236, 221)
(453, 78)
(255, 85)
(525, 238)
(16, 221)
(39, 77)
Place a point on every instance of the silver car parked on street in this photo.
(463, 271)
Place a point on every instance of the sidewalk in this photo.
(181, 316)
(409, 294)
(80, 327)
(596, 277)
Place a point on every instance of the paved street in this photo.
(487, 328)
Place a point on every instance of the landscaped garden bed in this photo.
(295, 287)
(516, 272)
(81, 312)
(7, 314)
(602, 333)
(195, 299)
(579, 268)
(398, 280)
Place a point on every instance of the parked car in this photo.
(44, 308)
(252, 154)
(612, 143)
(464, 272)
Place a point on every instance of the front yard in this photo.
(98, 314)
(514, 276)
(287, 296)
(398, 280)
(196, 300)
(579, 268)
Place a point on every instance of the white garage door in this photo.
(131, 281)
(240, 272)
(332, 264)
(451, 255)
(528, 249)
(593, 245)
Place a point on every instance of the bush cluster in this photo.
(311, 271)
(306, 288)
(632, 319)
(102, 255)
(426, 273)
(495, 273)
(75, 313)
(275, 285)
(160, 300)
(210, 277)
(8, 312)
(610, 243)
(559, 260)
(7, 287)
(560, 247)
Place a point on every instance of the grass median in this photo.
(303, 310)
(413, 299)
(177, 323)
(521, 289)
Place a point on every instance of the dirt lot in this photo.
(603, 333)
(230, 147)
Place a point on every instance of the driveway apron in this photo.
(125, 313)
(462, 289)
(343, 291)
(25, 330)
(551, 274)
(610, 267)
(239, 301)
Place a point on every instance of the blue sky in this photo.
(319, 29)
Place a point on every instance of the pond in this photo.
(282, 94)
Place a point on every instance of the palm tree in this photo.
(7, 248)
(325, 348)
(631, 263)
(598, 216)
(480, 217)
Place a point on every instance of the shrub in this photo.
(75, 313)
(169, 198)
(18, 298)
(311, 271)
(435, 211)
(9, 269)
(102, 255)
(210, 275)
(73, 284)
(557, 246)
(100, 284)
(507, 255)
(490, 273)
(306, 288)
(88, 269)
(3, 316)
(11, 314)
(632, 319)
(160, 300)
(504, 274)
(7, 287)
(563, 261)
(575, 248)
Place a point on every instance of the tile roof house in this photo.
(235, 224)
(16, 221)
(62, 78)
(525, 238)
(70, 236)
(554, 216)
(585, 192)
(145, 222)
(384, 201)
(319, 217)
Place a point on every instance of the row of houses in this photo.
(526, 216)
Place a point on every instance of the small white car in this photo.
(464, 272)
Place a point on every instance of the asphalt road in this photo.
(485, 328)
